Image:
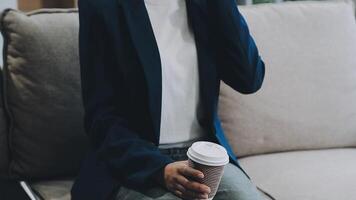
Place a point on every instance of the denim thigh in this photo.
(234, 185)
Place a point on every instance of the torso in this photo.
(180, 76)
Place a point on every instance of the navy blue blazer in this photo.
(121, 86)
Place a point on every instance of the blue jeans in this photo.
(234, 185)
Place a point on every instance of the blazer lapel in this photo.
(145, 44)
(209, 82)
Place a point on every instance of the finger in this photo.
(183, 193)
(190, 172)
(178, 193)
(192, 185)
(198, 187)
(188, 194)
(181, 180)
(179, 187)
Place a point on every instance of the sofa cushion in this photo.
(43, 93)
(53, 190)
(308, 175)
(4, 157)
(308, 97)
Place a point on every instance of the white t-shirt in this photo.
(180, 76)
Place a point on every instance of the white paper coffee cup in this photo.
(209, 158)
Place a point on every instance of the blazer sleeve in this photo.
(239, 63)
(130, 159)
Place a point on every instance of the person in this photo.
(151, 72)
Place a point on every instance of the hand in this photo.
(179, 179)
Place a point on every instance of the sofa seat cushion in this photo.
(307, 175)
(53, 190)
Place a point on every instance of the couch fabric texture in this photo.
(305, 175)
(53, 190)
(308, 97)
(42, 93)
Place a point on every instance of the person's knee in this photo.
(236, 185)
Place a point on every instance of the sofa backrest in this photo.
(4, 153)
(308, 99)
(43, 93)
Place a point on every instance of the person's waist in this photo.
(174, 151)
(177, 145)
(178, 151)
(184, 144)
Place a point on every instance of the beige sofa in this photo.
(296, 137)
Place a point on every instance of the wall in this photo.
(26, 5)
(5, 4)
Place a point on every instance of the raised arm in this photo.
(240, 65)
(130, 159)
